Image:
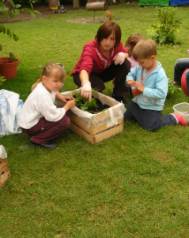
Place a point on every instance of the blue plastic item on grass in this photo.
(179, 2)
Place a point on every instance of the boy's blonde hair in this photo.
(47, 70)
(131, 41)
(144, 49)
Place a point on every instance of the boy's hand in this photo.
(69, 104)
(131, 83)
(139, 86)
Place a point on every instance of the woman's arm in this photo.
(86, 90)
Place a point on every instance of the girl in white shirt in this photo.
(40, 118)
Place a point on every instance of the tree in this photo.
(76, 4)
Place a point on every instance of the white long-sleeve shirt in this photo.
(40, 103)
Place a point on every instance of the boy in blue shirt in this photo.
(149, 85)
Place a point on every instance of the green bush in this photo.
(6, 31)
(26, 3)
(164, 31)
(172, 89)
(2, 80)
(17, 6)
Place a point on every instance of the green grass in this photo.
(134, 185)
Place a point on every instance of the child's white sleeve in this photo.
(49, 111)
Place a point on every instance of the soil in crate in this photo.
(94, 106)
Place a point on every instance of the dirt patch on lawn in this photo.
(86, 20)
(162, 156)
(106, 15)
(26, 15)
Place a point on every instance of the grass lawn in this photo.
(134, 185)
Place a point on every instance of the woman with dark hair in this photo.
(103, 59)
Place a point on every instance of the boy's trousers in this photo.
(150, 120)
(45, 131)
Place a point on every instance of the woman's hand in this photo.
(86, 90)
(120, 58)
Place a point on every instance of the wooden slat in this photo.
(108, 133)
(95, 138)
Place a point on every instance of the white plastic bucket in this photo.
(182, 109)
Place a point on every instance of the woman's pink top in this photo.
(92, 60)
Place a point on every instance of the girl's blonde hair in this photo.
(47, 70)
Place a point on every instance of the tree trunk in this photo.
(76, 4)
(9, 4)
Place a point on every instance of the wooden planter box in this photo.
(97, 127)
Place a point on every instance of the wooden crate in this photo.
(95, 138)
(100, 126)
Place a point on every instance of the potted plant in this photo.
(8, 65)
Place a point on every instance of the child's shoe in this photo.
(180, 119)
(47, 145)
